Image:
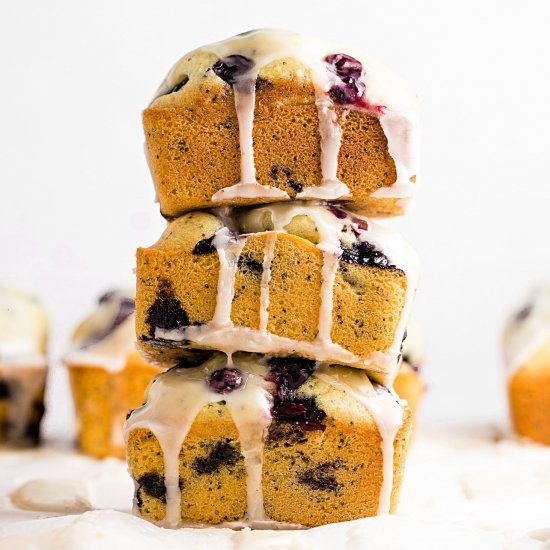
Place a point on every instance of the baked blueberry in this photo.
(226, 380)
(232, 67)
(166, 312)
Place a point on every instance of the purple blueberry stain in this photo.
(226, 380)
(166, 312)
(222, 453)
(338, 212)
(232, 68)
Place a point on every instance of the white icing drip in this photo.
(229, 250)
(527, 329)
(173, 402)
(397, 113)
(385, 411)
(266, 278)
(23, 329)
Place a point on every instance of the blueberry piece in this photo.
(226, 380)
(166, 312)
(152, 484)
(248, 262)
(289, 373)
(230, 68)
(303, 411)
(349, 92)
(204, 247)
(364, 253)
(344, 65)
(296, 186)
(221, 454)
(322, 477)
(178, 86)
(524, 312)
(338, 212)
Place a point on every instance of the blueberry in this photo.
(364, 253)
(230, 68)
(166, 312)
(248, 262)
(289, 373)
(221, 454)
(339, 213)
(524, 312)
(349, 92)
(226, 380)
(152, 484)
(303, 411)
(204, 247)
(322, 477)
(178, 86)
(344, 65)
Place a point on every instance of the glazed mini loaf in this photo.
(408, 383)
(272, 115)
(265, 442)
(108, 376)
(23, 366)
(287, 278)
(527, 357)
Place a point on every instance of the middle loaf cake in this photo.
(306, 279)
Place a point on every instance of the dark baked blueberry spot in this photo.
(230, 68)
(364, 253)
(249, 263)
(322, 477)
(5, 389)
(178, 86)
(349, 89)
(226, 380)
(166, 312)
(360, 223)
(204, 247)
(221, 454)
(152, 484)
(295, 185)
(524, 312)
(303, 411)
(274, 172)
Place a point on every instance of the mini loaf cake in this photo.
(287, 278)
(527, 358)
(408, 384)
(265, 442)
(23, 366)
(108, 376)
(271, 115)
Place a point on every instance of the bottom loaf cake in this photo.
(265, 442)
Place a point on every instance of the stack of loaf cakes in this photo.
(277, 303)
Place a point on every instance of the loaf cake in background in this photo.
(266, 442)
(408, 383)
(526, 345)
(288, 278)
(108, 376)
(281, 116)
(23, 366)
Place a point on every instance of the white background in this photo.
(77, 198)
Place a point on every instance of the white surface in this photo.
(461, 491)
(77, 198)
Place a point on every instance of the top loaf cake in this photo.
(270, 116)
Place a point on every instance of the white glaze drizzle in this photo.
(397, 112)
(527, 329)
(173, 402)
(385, 411)
(221, 334)
(266, 278)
